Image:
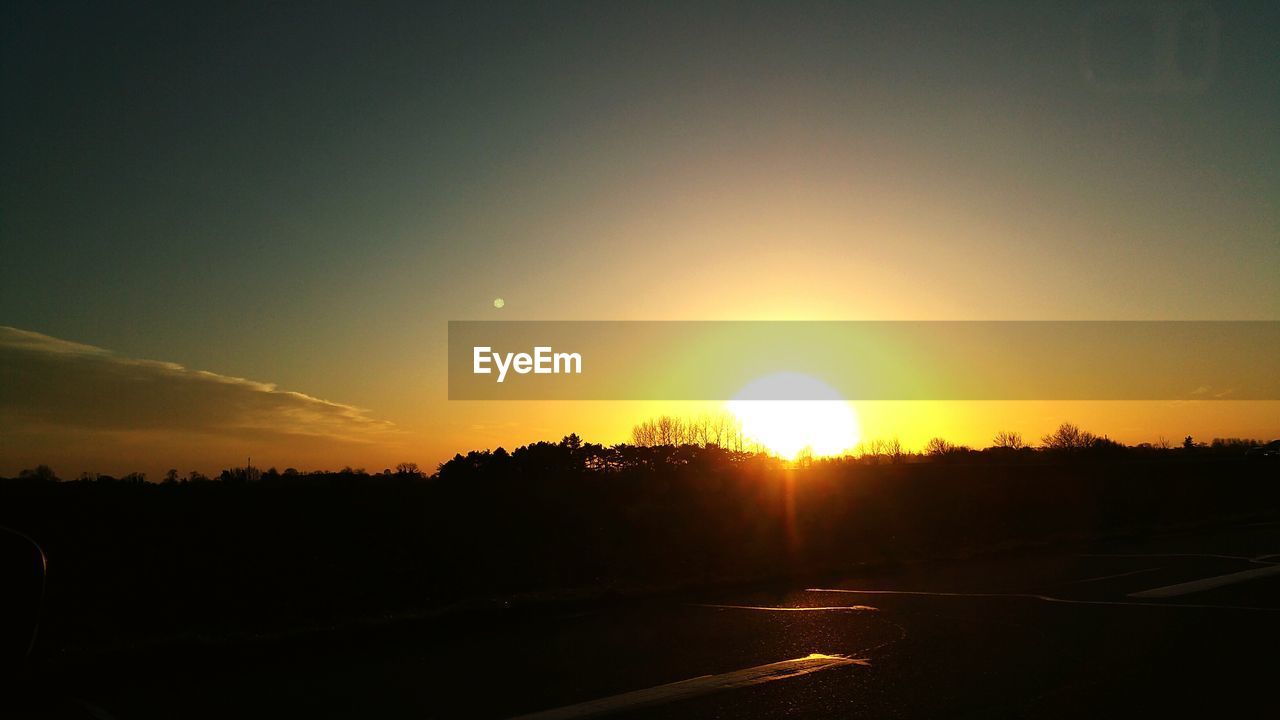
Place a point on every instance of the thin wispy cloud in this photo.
(55, 382)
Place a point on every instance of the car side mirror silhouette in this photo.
(22, 579)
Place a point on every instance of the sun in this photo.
(789, 413)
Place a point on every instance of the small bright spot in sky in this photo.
(498, 302)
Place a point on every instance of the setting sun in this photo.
(788, 427)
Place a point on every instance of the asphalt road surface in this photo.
(1172, 625)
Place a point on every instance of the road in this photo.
(1171, 625)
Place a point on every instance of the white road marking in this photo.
(1264, 523)
(694, 687)
(1179, 555)
(829, 608)
(1111, 577)
(1208, 583)
(1046, 598)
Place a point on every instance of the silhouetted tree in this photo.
(1008, 440)
(1068, 437)
(245, 474)
(1240, 444)
(940, 449)
(42, 473)
(872, 451)
(408, 468)
(936, 447)
(720, 430)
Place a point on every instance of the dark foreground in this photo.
(954, 639)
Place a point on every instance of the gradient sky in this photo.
(302, 196)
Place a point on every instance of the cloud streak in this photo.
(50, 382)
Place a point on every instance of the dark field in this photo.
(134, 563)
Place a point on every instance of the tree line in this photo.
(667, 440)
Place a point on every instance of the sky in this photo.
(238, 230)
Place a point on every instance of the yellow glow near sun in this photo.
(823, 422)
